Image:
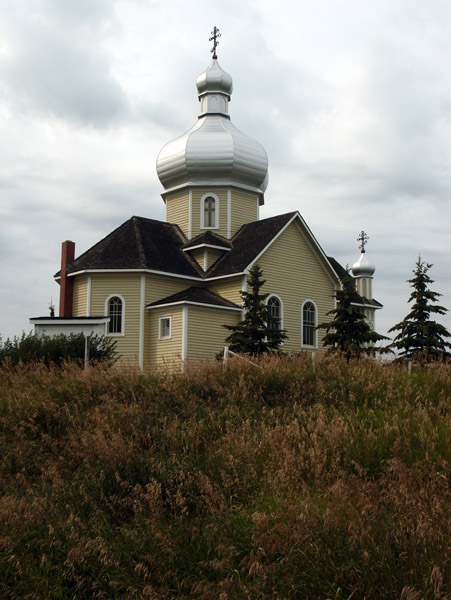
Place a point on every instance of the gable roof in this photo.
(148, 244)
(195, 295)
(140, 243)
(247, 243)
(339, 270)
(209, 238)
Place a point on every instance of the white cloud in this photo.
(352, 101)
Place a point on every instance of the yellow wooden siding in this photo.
(295, 274)
(177, 211)
(206, 334)
(165, 352)
(222, 197)
(158, 287)
(213, 256)
(81, 297)
(244, 209)
(198, 255)
(229, 288)
(129, 287)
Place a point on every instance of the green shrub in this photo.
(55, 350)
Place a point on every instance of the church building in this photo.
(165, 289)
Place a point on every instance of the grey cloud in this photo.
(50, 72)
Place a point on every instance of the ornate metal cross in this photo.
(214, 38)
(363, 238)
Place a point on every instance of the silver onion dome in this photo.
(363, 268)
(213, 151)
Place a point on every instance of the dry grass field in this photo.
(279, 482)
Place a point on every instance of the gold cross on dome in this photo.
(214, 38)
(363, 239)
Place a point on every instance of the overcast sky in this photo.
(351, 100)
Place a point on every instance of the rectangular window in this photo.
(164, 330)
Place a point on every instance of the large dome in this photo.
(213, 151)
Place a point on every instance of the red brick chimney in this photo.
(66, 283)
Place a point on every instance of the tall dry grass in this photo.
(278, 482)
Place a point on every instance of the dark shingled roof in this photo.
(140, 243)
(198, 295)
(247, 243)
(339, 270)
(68, 318)
(369, 302)
(209, 237)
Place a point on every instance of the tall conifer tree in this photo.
(255, 334)
(420, 337)
(349, 332)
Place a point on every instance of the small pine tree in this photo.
(419, 337)
(349, 332)
(255, 334)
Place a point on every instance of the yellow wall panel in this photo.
(177, 210)
(129, 287)
(295, 274)
(165, 352)
(206, 334)
(158, 287)
(229, 287)
(244, 209)
(80, 305)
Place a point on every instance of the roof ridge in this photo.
(142, 254)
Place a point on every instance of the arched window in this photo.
(308, 324)
(209, 209)
(115, 312)
(275, 310)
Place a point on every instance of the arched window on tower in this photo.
(308, 324)
(209, 212)
(275, 310)
(115, 312)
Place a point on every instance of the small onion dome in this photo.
(363, 268)
(214, 79)
(213, 151)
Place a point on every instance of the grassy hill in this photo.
(279, 482)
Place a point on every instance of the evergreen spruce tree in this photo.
(349, 332)
(255, 334)
(419, 337)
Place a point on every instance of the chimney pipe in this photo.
(66, 283)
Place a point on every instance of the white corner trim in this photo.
(142, 314)
(190, 214)
(88, 297)
(229, 213)
(184, 333)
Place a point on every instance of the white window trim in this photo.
(202, 210)
(281, 306)
(123, 315)
(315, 331)
(166, 337)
